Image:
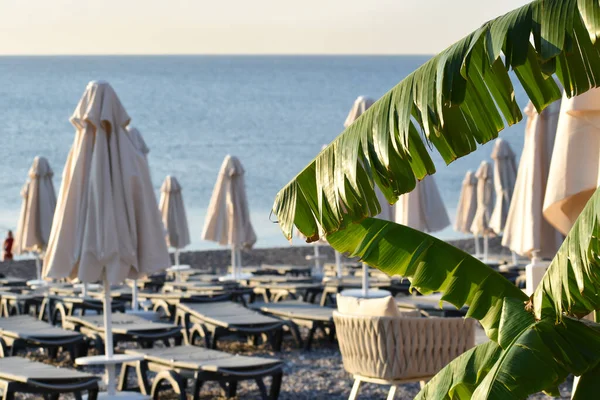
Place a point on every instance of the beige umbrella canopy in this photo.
(37, 211)
(505, 176)
(526, 231)
(228, 217)
(361, 104)
(107, 225)
(574, 170)
(173, 215)
(467, 204)
(423, 208)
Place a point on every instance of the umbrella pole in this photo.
(485, 248)
(365, 280)
(233, 266)
(38, 267)
(84, 290)
(515, 261)
(477, 250)
(108, 339)
(317, 260)
(134, 296)
(176, 256)
(238, 259)
(338, 264)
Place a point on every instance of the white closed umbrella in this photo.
(107, 226)
(37, 211)
(505, 176)
(228, 216)
(467, 206)
(423, 208)
(526, 231)
(485, 205)
(174, 217)
(575, 167)
(361, 104)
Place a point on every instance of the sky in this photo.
(40, 27)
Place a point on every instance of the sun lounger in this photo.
(430, 306)
(9, 281)
(211, 321)
(62, 307)
(24, 331)
(275, 292)
(293, 270)
(20, 375)
(19, 303)
(166, 303)
(125, 328)
(175, 365)
(300, 313)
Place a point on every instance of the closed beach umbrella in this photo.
(467, 206)
(423, 208)
(107, 226)
(37, 211)
(228, 217)
(485, 204)
(361, 104)
(505, 176)
(526, 231)
(173, 215)
(574, 170)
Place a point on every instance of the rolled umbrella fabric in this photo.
(107, 226)
(173, 213)
(361, 104)
(526, 231)
(107, 223)
(467, 204)
(37, 210)
(485, 200)
(574, 169)
(228, 217)
(505, 176)
(423, 208)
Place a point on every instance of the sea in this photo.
(273, 112)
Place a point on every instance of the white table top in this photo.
(103, 360)
(178, 268)
(371, 293)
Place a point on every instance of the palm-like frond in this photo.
(457, 100)
(571, 285)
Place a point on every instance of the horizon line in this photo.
(221, 55)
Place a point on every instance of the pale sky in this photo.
(240, 26)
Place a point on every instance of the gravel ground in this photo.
(317, 374)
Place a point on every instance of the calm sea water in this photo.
(274, 113)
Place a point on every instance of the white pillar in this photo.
(534, 272)
(111, 383)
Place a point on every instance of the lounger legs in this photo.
(355, 389)
(392, 393)
(174, 379)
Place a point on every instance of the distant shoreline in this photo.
(218, 260)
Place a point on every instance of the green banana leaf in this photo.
(431, 265)
(571, 285)
(456, 101)
(537, 356)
